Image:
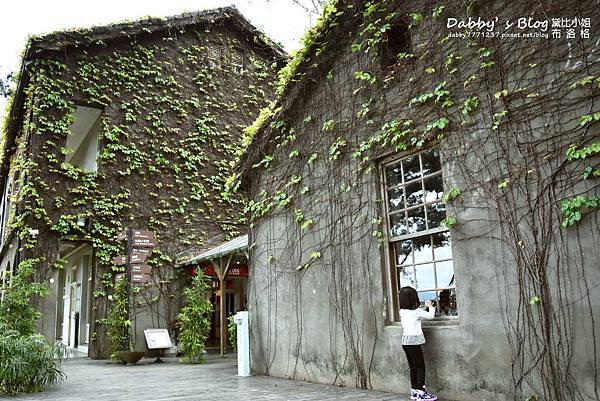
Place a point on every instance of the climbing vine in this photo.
(174, 103)
(521, 150)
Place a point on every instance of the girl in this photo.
(412, 338)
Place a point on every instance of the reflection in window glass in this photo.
(433, 188)
(393, 175)
(441, 246)
(412, 168)
(446, 303)
(414, 193)
(426, 296)
(398, 225)
(422, 246)
(431, 161)
(416, 220)
(406, 276)
(396, 199)
(403, 253)
(436, 212)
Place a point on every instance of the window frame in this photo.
(95, 131)
(391, 283)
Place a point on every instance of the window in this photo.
(214, 52)
(420, 244)
(395, 41)
(237, 60)
(82, 142)
(5, 204)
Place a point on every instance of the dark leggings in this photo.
(416, 364)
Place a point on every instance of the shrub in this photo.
(27, 363)
(118, 325)
(232, 332)
(194, 319)
(16, 310)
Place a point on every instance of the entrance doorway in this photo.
(74, 298)
(235, 292)
(235, 301)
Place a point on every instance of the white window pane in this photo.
(442, 246)
(406, 276)
(422, 249)
(445, 274)
(425, 276)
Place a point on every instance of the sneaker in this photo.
(413, 394)
(424, 395)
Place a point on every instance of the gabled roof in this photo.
(62, 39)
(57, 41)
(322, 44)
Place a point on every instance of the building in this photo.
(405, 152)
(128, 125)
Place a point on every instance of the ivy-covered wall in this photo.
(514, 120)
(174, 102)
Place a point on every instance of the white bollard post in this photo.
(243, 343)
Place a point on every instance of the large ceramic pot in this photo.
(131, 357)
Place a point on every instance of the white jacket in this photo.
(412, 332)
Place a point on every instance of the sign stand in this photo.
(158, 360)
(128, 283)
(159, 340)
(137, 250)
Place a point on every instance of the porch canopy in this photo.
(221, 257)
(238, 245)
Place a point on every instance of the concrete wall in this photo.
(329, 318)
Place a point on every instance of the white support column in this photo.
(243, 343)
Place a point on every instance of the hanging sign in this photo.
(144, 242)
(233, 271)
(141, 238)
(143, 269)
(139, 278)
(146, 251)
(135, 258)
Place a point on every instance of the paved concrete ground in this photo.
(173, 381)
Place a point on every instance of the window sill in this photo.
(433, 323)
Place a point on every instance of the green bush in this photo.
(118, 325)
(27, 363)
(232, 332)
(194, 319)
(16, 310)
